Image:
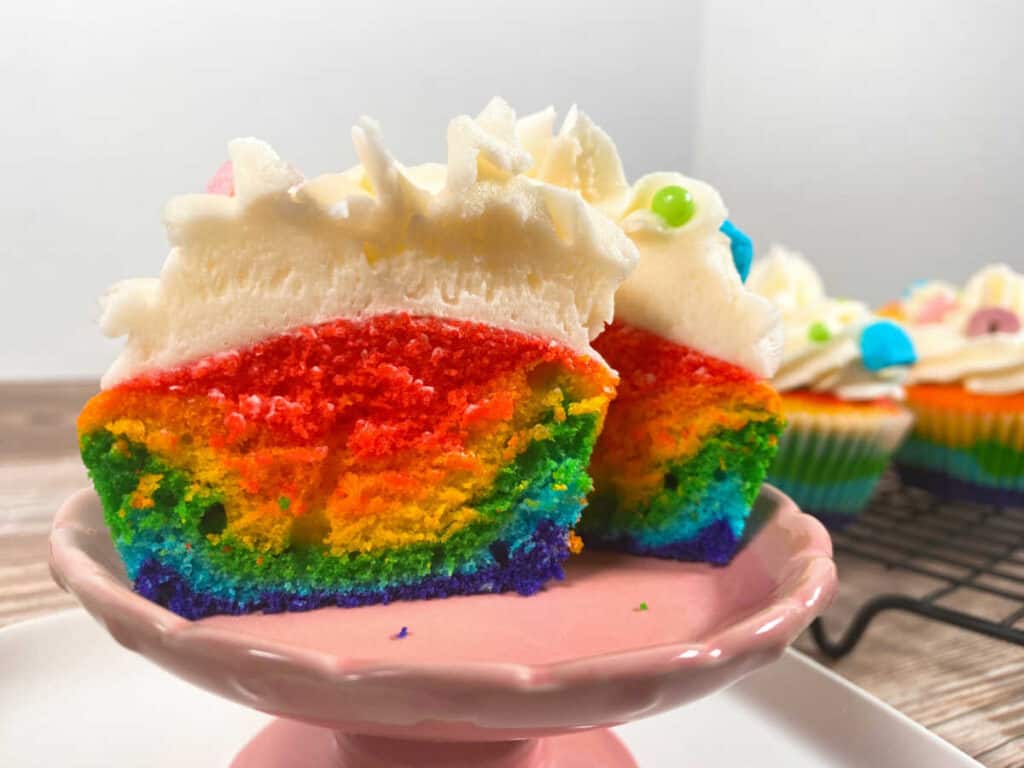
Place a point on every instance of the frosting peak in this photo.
(478, 239)
(580, 156)
(789, 281)
(485, 148)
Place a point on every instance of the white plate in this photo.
(71, 697)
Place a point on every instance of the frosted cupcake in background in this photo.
(967, 388)
(841, 384)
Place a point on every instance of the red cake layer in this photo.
(377, 385)
(671, 399)
(644, 360)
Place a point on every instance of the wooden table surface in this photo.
(967, 688)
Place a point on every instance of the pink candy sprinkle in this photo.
(934, 310)
(223, 181)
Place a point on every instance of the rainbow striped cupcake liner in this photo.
(970, 455)
(830, 463)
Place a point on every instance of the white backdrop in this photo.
(886, 143)
(111, 107)
(883, 138)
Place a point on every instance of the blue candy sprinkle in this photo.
(912, 288)
(402, 633)
(742, 248)
(884, 343)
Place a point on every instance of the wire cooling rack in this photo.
(963, 546)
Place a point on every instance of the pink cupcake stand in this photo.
(488, 681)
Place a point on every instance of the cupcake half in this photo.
(695, 421)
(967, 388)
(841, 383)
(367, 386)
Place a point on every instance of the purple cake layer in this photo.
(941, 484)
(715, 543)
(525, 571)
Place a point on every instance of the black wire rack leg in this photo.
(867, 612)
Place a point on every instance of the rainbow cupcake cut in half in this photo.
(684, 452)
(695, 423)
(348, 463)
(358, 388)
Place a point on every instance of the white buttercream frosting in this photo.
(686, 287)
(986, 361)
(478, 239)
(829, 360)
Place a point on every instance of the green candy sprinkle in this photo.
(284, 502)
(674, 204)
(819, 332)
(641, 607)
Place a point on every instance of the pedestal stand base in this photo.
(288, 744)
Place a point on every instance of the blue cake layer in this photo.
(715, 543)
(967, 467)
(708, 528)
(524, 570)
